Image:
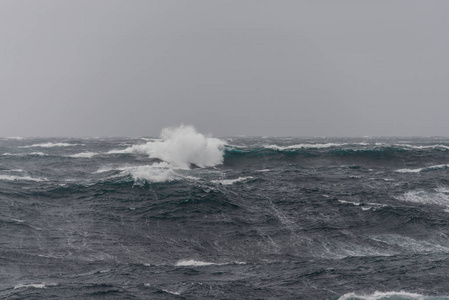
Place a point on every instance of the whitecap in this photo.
(436, 167)
(420, 147)
(117, 151)
(136, 149)
(193, 263)
(17, 220)
(304, 146)
(158, 172)
(402, 295)
(171, 292)
(83, 155)
(199, 263)
(104, 169)
(25, 154)
(438, 196)
(18, 178)
(231, 181)
(11, 154)
(409, 170)
(51, 145)
(34, 285)
(38, 154)
(349, 202)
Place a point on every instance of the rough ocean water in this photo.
(186, 216)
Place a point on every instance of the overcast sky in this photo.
(283, 68)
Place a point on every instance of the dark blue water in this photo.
(240, 218)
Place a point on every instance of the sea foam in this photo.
(438, 196)
(434, 245)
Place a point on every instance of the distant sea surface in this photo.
(187, 216)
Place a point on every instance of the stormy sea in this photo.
(189, 216)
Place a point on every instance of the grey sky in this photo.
(296, 68)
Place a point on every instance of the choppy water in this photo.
(259, 218)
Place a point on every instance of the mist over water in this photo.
(190, 216)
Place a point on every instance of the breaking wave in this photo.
(182, 147)
(179, 148)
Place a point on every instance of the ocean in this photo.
(189, 216)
